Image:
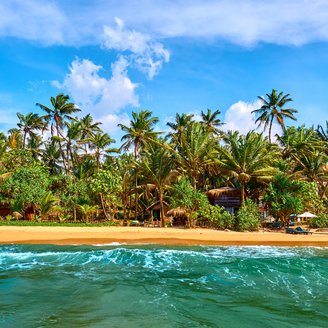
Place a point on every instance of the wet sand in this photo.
(162, 236)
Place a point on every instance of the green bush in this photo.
(321, 221)
(248, 217)
(216, 217)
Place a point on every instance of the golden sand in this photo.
(163, 236)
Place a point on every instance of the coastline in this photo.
(161, 236)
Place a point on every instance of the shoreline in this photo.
(159, 236)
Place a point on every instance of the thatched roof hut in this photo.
(228, 197)
(177, 212)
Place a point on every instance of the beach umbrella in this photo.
(307, 215)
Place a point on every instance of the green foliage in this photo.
(15, 159)
(106, 182)
(217, 217)
(47, 203)
(283, 197)
(308, 192)
(185, 196)
(248, 217)
(321, 221)
(27, 186)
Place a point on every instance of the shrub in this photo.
(321, 221)
(248, 217)
(217, 217)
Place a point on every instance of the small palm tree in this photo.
(180, 124)
(48, 202)
(86, 211)
(273, 109)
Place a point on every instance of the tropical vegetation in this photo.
(60, 166)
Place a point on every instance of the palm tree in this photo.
(248, 157)
(99, 143)
(86, 211)
(51, 157)
(196, 150)
(34, 145)
(28, 124)
(181, 122)
(156, 167)
(273, 109)
(57, 115)
(88, 128)
(140, 132)
(211, 120)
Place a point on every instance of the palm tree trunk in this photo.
(270, 128)
(61, 148)
(161, 208)
(24, 139)
(103, 205)
(242, 192)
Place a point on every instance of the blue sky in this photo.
(113, 57)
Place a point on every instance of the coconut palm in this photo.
(57, 115)
(140, 131)
(138, 134)
(248, 157)
(34, 145)
(156, 167)
(273, 109)
(29, 124)
(211, 120)
(181, 122)
(100, 143)
(51, 157)
(196, 150)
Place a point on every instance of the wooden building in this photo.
(227, 197)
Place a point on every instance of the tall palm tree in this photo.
(180, 124)
(28, 124)
(88, 128)
(156, 167)
(57, 115)
(248, 157)
(140, 131)
(196, 149)
(273, 109)
(211, 120)
(100, 143)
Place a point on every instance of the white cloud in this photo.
(110, 122)
(147, 55)
(34, 20)
(98, 94)
(239, 117)
(244, 22)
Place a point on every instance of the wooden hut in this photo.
(179, 216)
(227, 197)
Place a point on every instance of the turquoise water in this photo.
(153, 286)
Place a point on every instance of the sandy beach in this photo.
(163, 236)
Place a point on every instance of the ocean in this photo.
(155, 286)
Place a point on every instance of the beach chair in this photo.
(291, 231)
(304, 232)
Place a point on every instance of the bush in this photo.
(248, 217)
(321, 221)
(216, 217)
